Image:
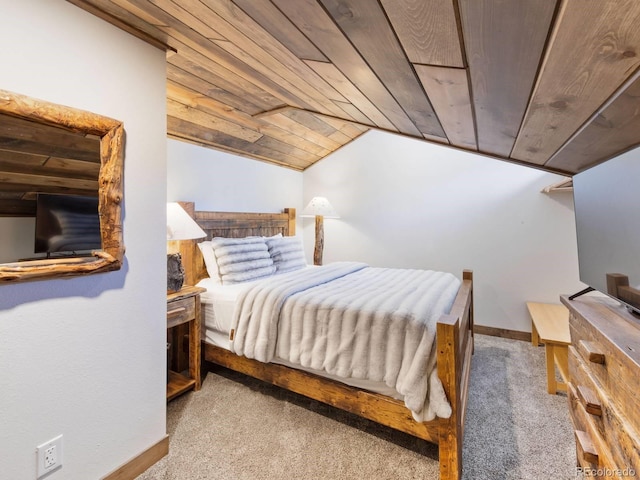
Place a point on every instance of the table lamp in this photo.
(180, 226)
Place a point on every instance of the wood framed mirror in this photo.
(33, 164)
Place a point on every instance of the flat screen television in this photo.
(607, 210)
(67, 224)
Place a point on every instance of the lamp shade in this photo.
(180, 226)
(319, 206)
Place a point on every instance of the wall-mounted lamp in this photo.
(180, 226)
(320, 208)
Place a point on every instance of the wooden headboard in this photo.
(230, 225)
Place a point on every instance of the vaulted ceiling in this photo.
(553, 84)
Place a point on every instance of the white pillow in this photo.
(287, 253)
(210, 260)
(242, 259)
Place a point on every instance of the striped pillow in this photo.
(242, 259)
(287, 253)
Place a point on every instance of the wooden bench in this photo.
(550, 324)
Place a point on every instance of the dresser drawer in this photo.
(585, 428)
(609, 365)
(598, 416)
(180, 311)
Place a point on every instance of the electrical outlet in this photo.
(49, 456)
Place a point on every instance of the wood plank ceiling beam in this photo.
(532, 82)
(384, 55)
(609, 40)
(504, 43)
(613, 131)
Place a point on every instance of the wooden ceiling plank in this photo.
(27, 134)
(448, 89)
(310, 121)
(72, 167)
(320, 123)
(575, 82)
(178, 76)
(354, 130)
(299, 129)
(10, 195)
(28, 191)
(336, 123)
(269, 68)
(9, 157)
(288, 149)
(613, 131)
(340, 137)
(352, 94)
(233, 60)
(202, 136)
(345, 130)
(122, 19)
(307, 146)
(217, 60)
(17, 208)
(261, 51)
(146, 12)
(209, 105)
(246, 29)
(36, 148)
(199, 66)
(314, 22)
(273, 21)
(353, 112)
(212, 122)
(185, 135)
(504, 42)
(198, 100)
(58, 167)
(367, 27)
(434, 139)
(182, 35)
(34, 180)
(185, 15)
(427, 30)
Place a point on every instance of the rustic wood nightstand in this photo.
(183, 307)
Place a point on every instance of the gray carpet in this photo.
(239, 428)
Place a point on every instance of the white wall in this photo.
(406, 203)
(85, 357)
(224, 182)
(17, 237)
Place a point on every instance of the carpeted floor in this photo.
(239, 428)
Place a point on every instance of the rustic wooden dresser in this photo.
(604, 387)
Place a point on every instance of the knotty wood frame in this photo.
(110, 189)
(454, 343)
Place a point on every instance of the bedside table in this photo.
(183, 307)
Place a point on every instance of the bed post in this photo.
(450, 441)
(468, 275)
(291, 228)
(454, 337)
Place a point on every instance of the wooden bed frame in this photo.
(454, 341)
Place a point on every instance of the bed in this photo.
(453, 347)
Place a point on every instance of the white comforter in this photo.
(352, 320)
